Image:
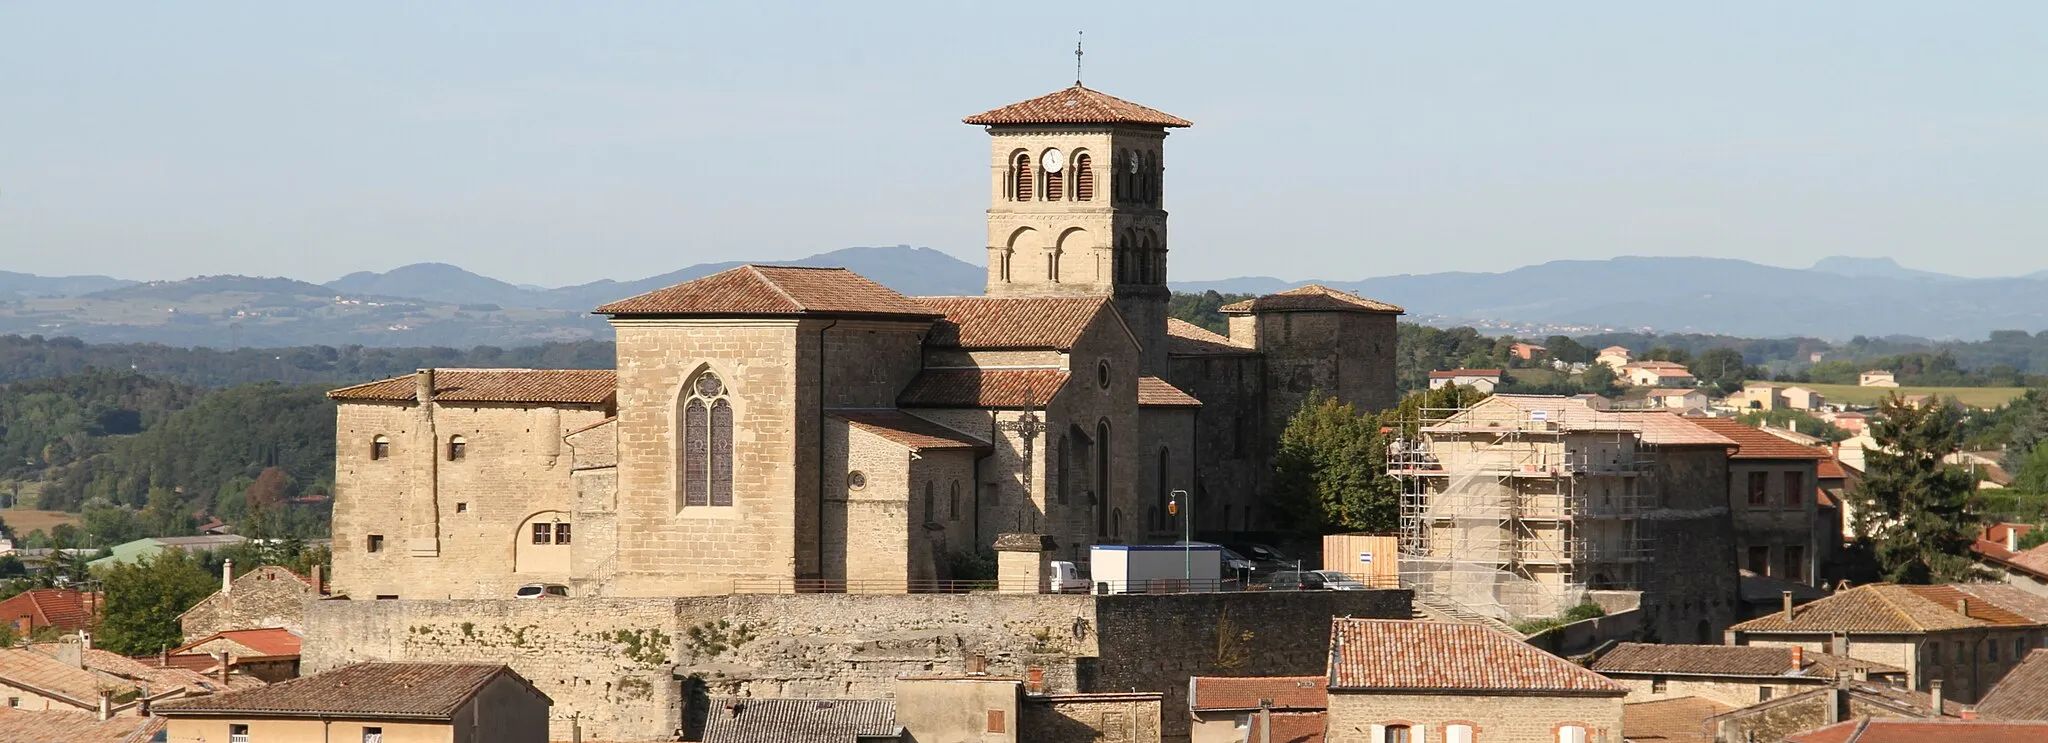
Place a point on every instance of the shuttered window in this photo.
(1021, 181)
(1055, 186)
(1084, 179)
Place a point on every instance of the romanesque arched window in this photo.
(1123, 175)
(458, 447)
(1102, 478)
(380, 447)
(1152, 173)
(1055, 181)
(707, 443)
(1084, 178)
(1020, 180)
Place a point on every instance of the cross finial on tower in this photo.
(1077, 58)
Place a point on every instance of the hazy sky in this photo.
(556, 143)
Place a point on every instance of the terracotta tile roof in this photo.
(563, 386)
(1991, 547)
(267, 641)
(1869, 730)
(908, 430)
(50, 677)
(2028, 605)
(24, 726)
(1755, 444)
(1455, 373)
(1184, 338)
(2022, 694)
(1727, 660)
(771, 291)
(1313, 297)
(748, 720)
(1077, 105)
(157, 679)
(1010, 322)
(1831, 469)
(1406, 655)
(1210, 693)
(63, 608)
(1298, 727)
(982, 388)
(1885, 608)
(1154, 392)
(418, 691)
(1680, 720)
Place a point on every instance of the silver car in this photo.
(542, 591)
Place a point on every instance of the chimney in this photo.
(106, 711)
(1934, 701)
(319, 585)
(1963, 607)
(1798, 658)
(1970, 713)
(84, 640)
(2012, 537)
(1034, 680)
(1265, 721)
(227, 575)
(223, 669)
(1786, 597)
(423, 386)
(163, 658)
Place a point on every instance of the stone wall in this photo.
(1231, 440)
(1091, 718)
(1494, 719)
(1774, 528)
(1691, 591)
(625, 664)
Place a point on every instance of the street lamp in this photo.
(1187, 545)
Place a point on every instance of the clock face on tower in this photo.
(1053, 161)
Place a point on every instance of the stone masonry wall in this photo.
(1105, 718)
(628, 666)
(1494, 719)
(1230, 438)
(269, 596)
(1690, 587)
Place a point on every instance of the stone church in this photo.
(776, 428)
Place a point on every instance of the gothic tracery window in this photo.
(707, 443)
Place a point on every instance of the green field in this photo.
(1976, 397)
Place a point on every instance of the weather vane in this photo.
(1077, 58)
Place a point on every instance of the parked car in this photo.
(543, 591)
(1265, 557)
(1068, 577)
(1234, 564)
(1313, 580)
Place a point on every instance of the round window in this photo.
(856, 479)
(1102, 373)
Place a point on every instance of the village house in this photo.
(1855, 423)
(59, 609)
(1773, 489)
(1674, 398)
(1396, 681)
(777, 428)
(1877, 378)
(76, 727)
(1848, 700)
(1483, 380)
(452, 702)
(1760, 397)
(1227, 709)
(268, 596)
(1998, 549)
(1801, 398)
(1967, 635)
(1733, 675)
(2022, 694)
(1528, 351)
(1657, 374)
(981, 708)
(1614, 356)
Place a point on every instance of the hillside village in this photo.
(801, 506)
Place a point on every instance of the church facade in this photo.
(776, 428)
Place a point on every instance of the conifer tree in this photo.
(1915, 508)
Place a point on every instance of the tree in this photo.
(1330, 473)
(1917, 510)
(1722, 367)
(1599, 379)
(2032, 476)
(144, 598)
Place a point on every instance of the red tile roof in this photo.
(267, 641)
(1410, 656)
(1754, 444)
(1010, 322)
(1870, 730)
(1991, 546)
(1216, 693)
(1680, 720)
(416, 691)
(909, 430)
(1298, 727)
(1885, 608)
(1728, 660)
(2022, 694)
(1313, 297)
(1154, 392)
(1077, 105)
(1831, 469)
(63, 608)
(561, 386)
(1184, 338)
(982, 388)
(771, 291)
(74, 727)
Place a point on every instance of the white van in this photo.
(1067, 577)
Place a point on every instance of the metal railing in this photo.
(1152, 586)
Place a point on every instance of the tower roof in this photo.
(772, 291)
(1311, 298)
(1077, 105)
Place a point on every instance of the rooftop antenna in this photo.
(1077, 58)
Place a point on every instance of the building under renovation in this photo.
(1520, 505)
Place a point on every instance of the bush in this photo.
(1584, 611)
(1535, 626)
(973, 565)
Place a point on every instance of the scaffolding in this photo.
(1515, 509)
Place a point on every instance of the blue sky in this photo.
(556, 143)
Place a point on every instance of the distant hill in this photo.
(27, 286)
(435, 282)
(1877, 268)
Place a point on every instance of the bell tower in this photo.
(1076, 205)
